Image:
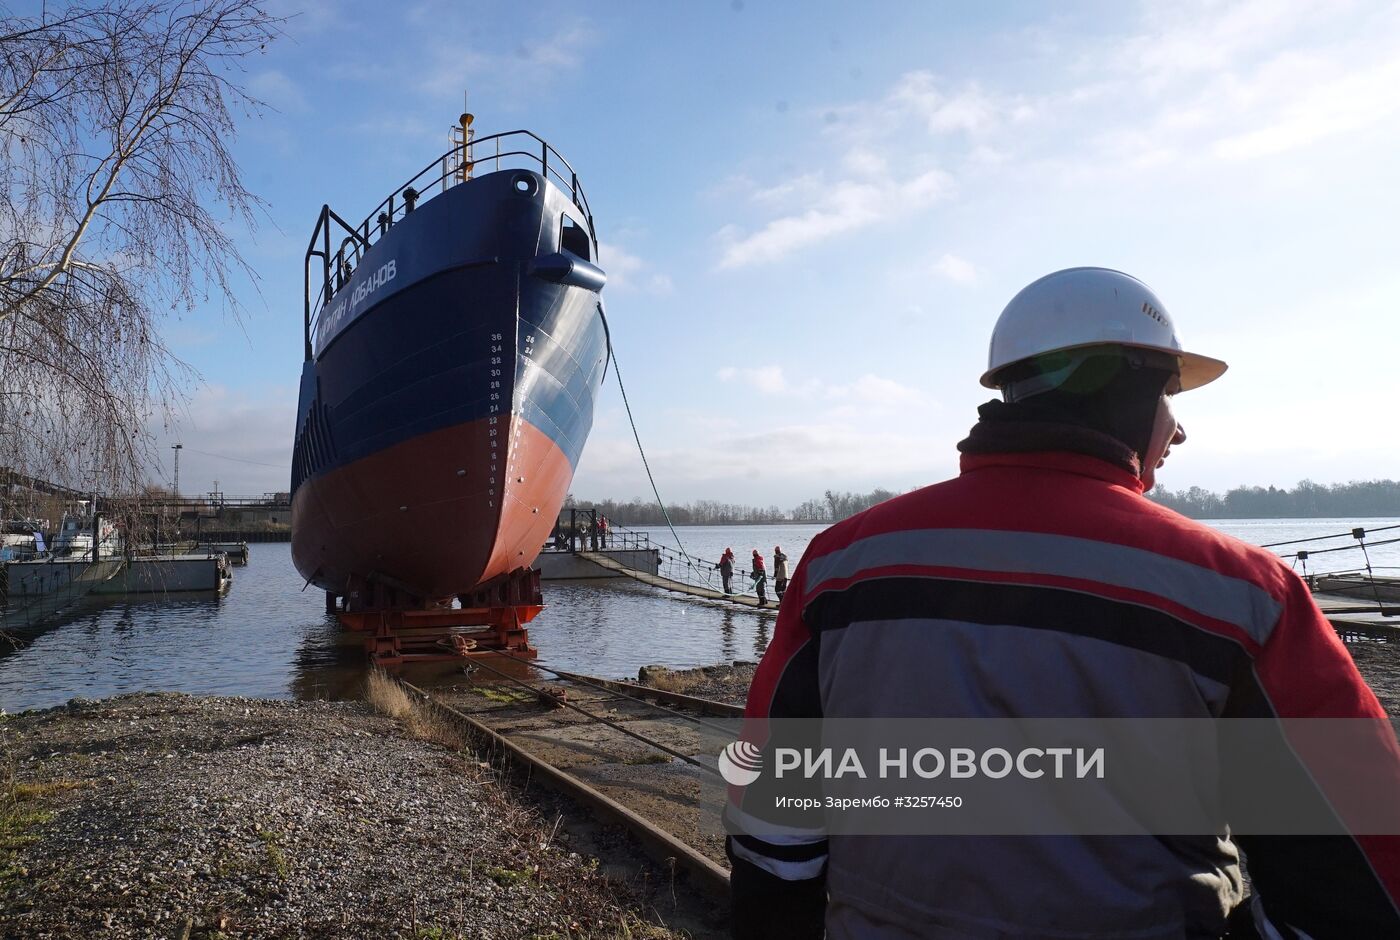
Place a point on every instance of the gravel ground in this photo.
(165, 815)
(1379, 664)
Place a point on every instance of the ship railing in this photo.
(340, 258)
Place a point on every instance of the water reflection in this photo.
(760, 640)
(330, 663)
(726, 632)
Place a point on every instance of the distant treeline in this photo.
(830, 507)
(1306, 500)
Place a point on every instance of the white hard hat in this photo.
(1081, 307)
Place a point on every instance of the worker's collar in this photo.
(1021, 435)
(1062, 461)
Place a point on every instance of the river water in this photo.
(269, 638)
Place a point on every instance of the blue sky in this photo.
(812, 213)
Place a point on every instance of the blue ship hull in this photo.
(449, 392)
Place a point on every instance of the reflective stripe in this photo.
(737, 820)
(1209, 592)
(883, 668)
(788, 871)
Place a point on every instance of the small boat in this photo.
(77, 531)
(21, 539)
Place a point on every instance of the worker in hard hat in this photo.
(1041, 583)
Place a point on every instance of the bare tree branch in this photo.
(116, 186)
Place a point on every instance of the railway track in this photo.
(642, 758)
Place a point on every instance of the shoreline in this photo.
(723, 682)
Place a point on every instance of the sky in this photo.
(812, 213)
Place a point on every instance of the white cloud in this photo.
(841, 207)
(956, 269)
(1240, 83)
(782, 463)
(278, 90)
(767, 379)
(402, 127)
(969, 109)
(867, 390)
(627, 272)
(1318, 107)
(863, 162)
(1183, 40)
(446, 66)
(242, 441)
(896, 170)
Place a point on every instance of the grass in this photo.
(505, 877)
(650, 757)
(630, 927)
(275, 856)
(386, 696)
(505, 696)
(669, 681)
(20, 813)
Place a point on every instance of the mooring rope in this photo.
(617, 372)
(1343, 548)
(1320, 538)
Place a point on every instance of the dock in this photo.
(680, 587)
(557, 565)
(170, 574)
(1353, 617)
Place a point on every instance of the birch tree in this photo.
(118, 193)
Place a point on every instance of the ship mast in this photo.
(461, 139)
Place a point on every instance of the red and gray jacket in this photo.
(1045, 584)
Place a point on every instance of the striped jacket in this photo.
(1046, 585)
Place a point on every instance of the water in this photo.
(268, 638)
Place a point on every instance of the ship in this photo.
(455, 342)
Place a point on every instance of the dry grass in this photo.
(669, 681)
(386, 696)
(20, 814)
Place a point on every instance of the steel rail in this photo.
(674, 698)
(661, 845)
(592, 683)
(610, 723)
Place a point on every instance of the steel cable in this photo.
(611, 724)
(574, 677)
(1321, 538)
(617, 372)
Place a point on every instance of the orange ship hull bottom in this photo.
(434, 517)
